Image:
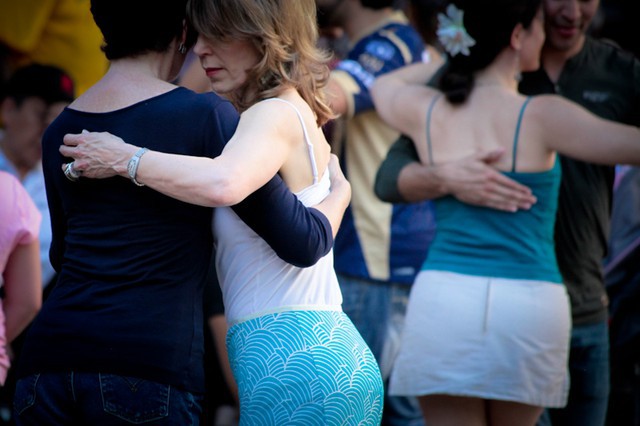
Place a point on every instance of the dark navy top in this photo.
(132, 262)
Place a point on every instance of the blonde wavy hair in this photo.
(285, 33)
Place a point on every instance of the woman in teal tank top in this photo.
(487, 330)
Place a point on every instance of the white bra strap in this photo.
(312, 157)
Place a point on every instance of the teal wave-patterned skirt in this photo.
(304, 368)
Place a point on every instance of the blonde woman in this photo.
(295, 355)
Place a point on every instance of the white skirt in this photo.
(484, 337)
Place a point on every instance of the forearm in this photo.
(218, 327)
(417, 182)
(336, 203)
(336, 97)
(417, 74)
(298, 235)
(23, 289)
(196, 180)
(401, 178)
(334, 206)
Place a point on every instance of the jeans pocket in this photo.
(134, 400)
(25, 393)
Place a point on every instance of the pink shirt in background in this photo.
(19, 224)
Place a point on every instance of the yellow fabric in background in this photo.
(54, 32)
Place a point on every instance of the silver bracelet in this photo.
(132, 166)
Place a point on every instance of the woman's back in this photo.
(254, 280)
(489, 119)
(480, 241)
(124, 253)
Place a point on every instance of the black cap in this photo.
(43, 81)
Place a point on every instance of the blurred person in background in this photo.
(60, 33)
(30, 100)
(20, 286)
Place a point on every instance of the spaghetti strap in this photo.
(312, 157)
(517, 135)
(433, 102)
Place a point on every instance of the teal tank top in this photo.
(481, 241)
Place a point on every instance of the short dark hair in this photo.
(46, 82)
(134, 27)
(490, 23)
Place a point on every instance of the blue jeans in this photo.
(94, 399)
(589, 373)
(377, 309)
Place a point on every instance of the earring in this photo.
(182, 48)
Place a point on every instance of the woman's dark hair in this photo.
(490, 23)
(423, 16)
(134, 27)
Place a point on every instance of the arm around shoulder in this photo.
(401, 178)
(575, 132)
(298, 235)
(401, 159)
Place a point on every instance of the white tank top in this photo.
(254, 280)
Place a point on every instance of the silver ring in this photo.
(72, 174)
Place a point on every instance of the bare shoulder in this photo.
(279, 118)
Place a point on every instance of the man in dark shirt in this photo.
(606, 81)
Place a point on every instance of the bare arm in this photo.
(397, 93)
(23, 288)
(336, 97)
(470, 179)
(576, 132)
(243, 167)
(218, 328)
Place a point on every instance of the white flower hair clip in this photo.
(452, 33)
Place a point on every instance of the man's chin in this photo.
(563, 42)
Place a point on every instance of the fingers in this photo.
(503, 193)
(476, 181)
(67, 151)
(334, 166)
(496, 191)
(73, 139)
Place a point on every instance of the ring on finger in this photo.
(72, 174)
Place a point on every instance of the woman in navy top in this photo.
(119, 340)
